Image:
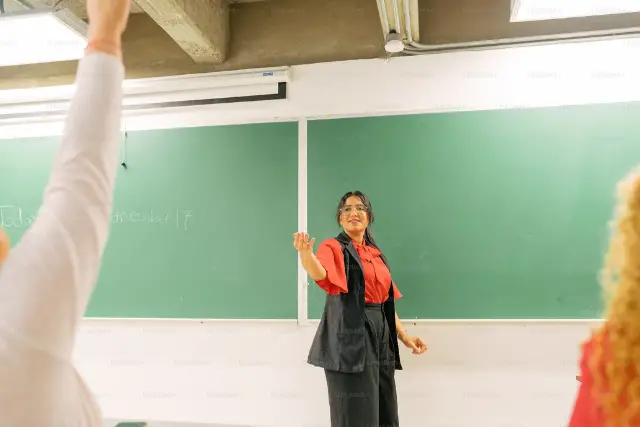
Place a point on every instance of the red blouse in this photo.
(377, 277)
(585, 412)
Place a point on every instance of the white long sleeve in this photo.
(48, 278)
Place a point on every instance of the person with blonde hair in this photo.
(47, 279)
(609, 393)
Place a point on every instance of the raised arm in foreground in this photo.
(47, 280)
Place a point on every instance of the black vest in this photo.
(339, 343)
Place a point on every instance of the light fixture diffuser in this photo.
(538, 10)
(40, 37)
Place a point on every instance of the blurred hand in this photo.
(302, 244)
(415, 344)
(108, 19)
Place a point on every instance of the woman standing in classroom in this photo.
(357, 340)
(609, 393)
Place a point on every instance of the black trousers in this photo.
(368, 398)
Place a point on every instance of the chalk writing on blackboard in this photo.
(13, 216)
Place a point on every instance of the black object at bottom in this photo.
(368, 398)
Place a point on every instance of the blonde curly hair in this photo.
(615, 363)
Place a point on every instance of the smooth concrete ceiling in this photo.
(172, 37)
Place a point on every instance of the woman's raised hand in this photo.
(107, 22)
(302, 243)
(108, 19)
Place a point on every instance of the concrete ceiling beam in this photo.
(199, 27)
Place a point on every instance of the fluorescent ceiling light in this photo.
(36, 37)
(537, 10)
(397, 15)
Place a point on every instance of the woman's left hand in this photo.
(415, 344)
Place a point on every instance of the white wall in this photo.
(480, 374)
(473, 375)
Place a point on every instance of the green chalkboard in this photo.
(483, 215)
(201, 226)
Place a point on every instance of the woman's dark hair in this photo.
(368, 235)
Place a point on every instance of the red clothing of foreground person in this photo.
(587, 411)
(377, 277)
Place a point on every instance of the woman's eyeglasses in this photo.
(360, 209)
